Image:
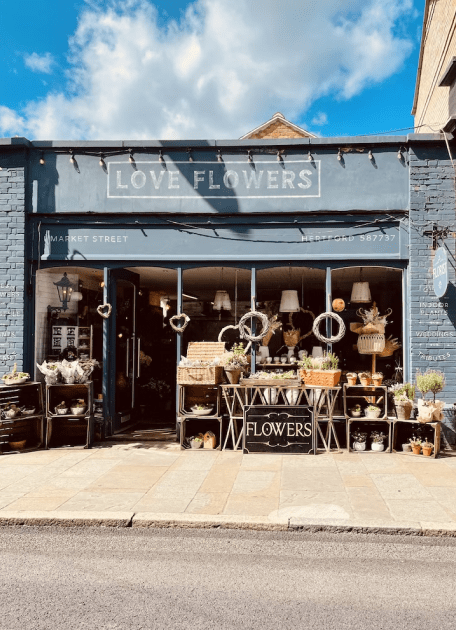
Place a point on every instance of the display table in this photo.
(320, 400)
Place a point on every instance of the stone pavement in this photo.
(153, 483)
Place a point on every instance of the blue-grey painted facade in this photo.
(205, 202)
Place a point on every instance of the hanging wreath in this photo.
(290, 321)
(246, 332)
(334, 338)
(104, 310)
(247, 348)
(177, 318)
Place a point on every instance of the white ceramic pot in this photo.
(292, 396)
(406, 448)
(359, 446)
(377, 446)
(263, 352)
(372, 414)
(270, 395)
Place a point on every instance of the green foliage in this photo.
(431, 381)
(406, 391)
(328, 362)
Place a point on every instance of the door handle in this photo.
(139, 358)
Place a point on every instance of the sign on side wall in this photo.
(440, 272)
(278, 429)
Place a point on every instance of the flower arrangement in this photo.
(403, 392)
(427, 444)
(359, 436)
(14, 376)
(415, 442)
(291, 374)
(236, 359)
(328, 361)
(377, 437)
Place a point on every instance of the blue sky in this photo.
(91, 69)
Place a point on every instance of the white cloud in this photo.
(10, 123)
(39, 63)
(320, 119)
(224, 69)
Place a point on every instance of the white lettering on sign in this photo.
(214, 180)
(440, 270)
(435, 357)
(287, 429)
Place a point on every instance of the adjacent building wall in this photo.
(438, 46)
(12, 259)
(433, 332)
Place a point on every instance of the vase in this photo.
(359, 446)
(233, 375)
(416, 450)
(292, 396)
(270, 395)
(377, 446)
(404, 410)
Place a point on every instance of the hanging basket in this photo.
(371, 344)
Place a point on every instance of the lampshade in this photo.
(76, 296)
(317, 351)
(222, 301)
(361, 293)
(289, 302)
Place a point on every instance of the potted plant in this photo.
(202, 410)
(14, 377)
(415, 443)
(196, 442)
(78, 406)
(235, 362)
(407, 447)
(62, 409)
(365, 378)
(377, 438)
(431, 381)
(403, 394)
(320, 371)
(372, 411)
(377, 378)
(356, 411)
(359, 440)
(427, 448)
(352, 377)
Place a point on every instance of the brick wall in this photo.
(433, 330)
(439, 41)
(12, 258)
(277, 130)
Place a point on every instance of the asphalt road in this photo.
(108, 579)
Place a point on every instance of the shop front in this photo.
(138, 252)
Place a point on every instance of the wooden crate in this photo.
(208, 375)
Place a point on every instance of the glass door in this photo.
(124, 346)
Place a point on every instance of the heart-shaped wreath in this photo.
(290, 321)
(104, 310)
(234, 328)
(177, 318)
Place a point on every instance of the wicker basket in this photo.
(372, 329)
(371, 344)
(291, 337)
(321, 378)
(209, 375)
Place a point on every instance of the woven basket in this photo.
(372, 329)
(371, 344)
(267, 338)
(209, 375)
(321, 378)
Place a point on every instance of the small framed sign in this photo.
(440, 272)
(278, 429)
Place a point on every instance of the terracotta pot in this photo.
(365, 381)
(233, 376)
(404, 410)
(377, 381)
(427, 450)
(352, 380)
(416, 450)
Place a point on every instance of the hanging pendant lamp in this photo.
(289, 302)
(361, 293)
(222, 300)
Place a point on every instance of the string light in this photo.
(102, 162)
(219, 156)
(339, 155)
(42, 160)
(190, 156)
(309, 157)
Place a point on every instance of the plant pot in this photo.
(406, 448)
(377, 381)
(355, 414)
(377, 446)
(352, 380)
(359, 446)
(372, 414)
(196, 444)
(365, 381)
(430, 411)
(427, 450)
(404, 410)
(321, 378)
(233, 376)
(416, 450)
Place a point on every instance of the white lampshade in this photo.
(361, 293)
(222, 301)
(317, 351)
(289, 302)
(76, 296)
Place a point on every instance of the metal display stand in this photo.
(56, 393)
(28, 427)
(321, 401)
